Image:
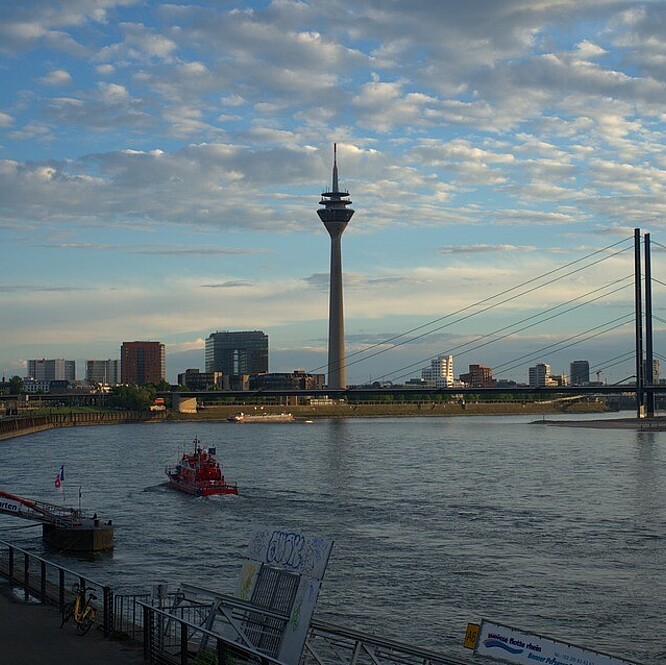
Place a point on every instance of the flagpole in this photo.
(60, 482)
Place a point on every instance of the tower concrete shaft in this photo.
(335, 215)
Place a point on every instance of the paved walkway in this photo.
(30, 634)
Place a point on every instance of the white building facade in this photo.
(539, 376)
(57, 369)
(440, 372)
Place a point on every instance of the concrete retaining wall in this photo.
(21, 425)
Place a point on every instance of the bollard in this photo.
(108, 612)
(147, 635)
(42, 583)
(26, 577)
(183, 644)
(61, 589)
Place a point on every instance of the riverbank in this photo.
(29, 424)
(393, 410)
(641, 425)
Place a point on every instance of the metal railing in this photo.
(325, 644)
(171, 640)
(329, 644)
(174, 631)
(52, 584)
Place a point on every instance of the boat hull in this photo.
(261, 418)
(201, 490)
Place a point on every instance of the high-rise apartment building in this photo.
(103, 372)
(539, 376)
(57, 369)
(478, 377)
(142, 362)
(579, 372)
(234, 353)
(440, 372)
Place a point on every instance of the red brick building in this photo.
(478, 377)
(142, 362)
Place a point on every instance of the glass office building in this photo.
(232, 353)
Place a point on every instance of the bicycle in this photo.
(80, 609)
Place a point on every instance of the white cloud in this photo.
(112, 93)
(108, 106)
(485, 249)
(57, 77)
(203, 135)
(384, 105)
(140, 43)
(587, 49)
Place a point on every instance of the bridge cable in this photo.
(512, 325)
(512, 332)
(482, 311)
(607, 364)
(480, 302)
(628, 318)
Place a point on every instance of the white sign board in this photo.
(292, 551)
(515, 646)
(294, 555)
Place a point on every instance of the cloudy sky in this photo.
(161, 166)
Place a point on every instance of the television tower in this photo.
(335, 215)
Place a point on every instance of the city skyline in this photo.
(248, 352)
(159, 167)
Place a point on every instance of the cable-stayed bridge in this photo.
(625, 294)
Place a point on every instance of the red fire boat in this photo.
(199, 473)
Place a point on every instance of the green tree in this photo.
(15, 385)
(163, 386)
(132, 398)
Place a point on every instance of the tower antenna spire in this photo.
(335, 168)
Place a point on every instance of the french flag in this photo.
(59, 479)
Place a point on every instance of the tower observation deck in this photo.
(335, 216)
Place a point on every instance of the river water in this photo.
(436, 521)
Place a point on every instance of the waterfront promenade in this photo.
(30, 634)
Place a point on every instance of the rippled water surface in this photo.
(436, 521)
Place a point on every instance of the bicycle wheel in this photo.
(83, 626)
(67, 613)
